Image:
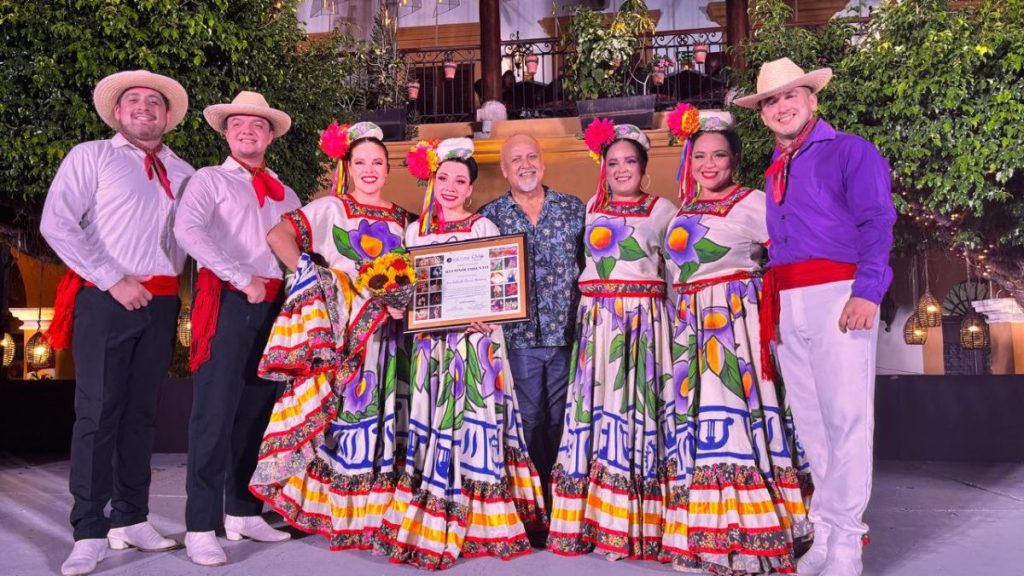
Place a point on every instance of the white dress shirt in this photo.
(222, 225)
(107, 220)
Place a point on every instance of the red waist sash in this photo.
(206, 310)
(785, 277)
(60, 329)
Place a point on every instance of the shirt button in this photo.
(783, 217)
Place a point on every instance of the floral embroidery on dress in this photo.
(367, 241)
(687, 247)
(640, 207)
(719, 207)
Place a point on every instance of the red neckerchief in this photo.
(263, 183)
(153, 164)
(778, 172)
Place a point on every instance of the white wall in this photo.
(894, 355)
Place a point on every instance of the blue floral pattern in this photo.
(554, 260)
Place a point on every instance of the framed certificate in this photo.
(458, 283)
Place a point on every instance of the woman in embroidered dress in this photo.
(736, 504)
(468, 487)
(328, 460)
(609, 480)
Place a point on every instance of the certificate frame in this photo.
(471, 292)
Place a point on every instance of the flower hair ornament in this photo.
(336, 140)
(422, 161)
(683, 123)
(599, 135)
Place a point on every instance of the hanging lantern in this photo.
(38, 351)
(929, 311)
(185, 327)
(7, 343)
(974, 332)
(913, 333)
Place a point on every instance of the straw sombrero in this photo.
(781, 75)
(107, 92)
(249, 104)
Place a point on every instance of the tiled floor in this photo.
(927, 519)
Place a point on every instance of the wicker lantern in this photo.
(913, 333)
(974, 332)
(38, 351)
(7, 343)
(929, 311)
(185, 327)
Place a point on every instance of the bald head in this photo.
(522, 164)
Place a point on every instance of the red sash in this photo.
(797, 275)
(60, 329)
(206, 310)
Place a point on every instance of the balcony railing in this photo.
(450, 89)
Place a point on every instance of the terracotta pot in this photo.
(700, 53)
(658, 76)
(449, 70)
(414, 89)
(532, 60)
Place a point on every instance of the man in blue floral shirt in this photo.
(540, 349)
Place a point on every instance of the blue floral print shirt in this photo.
(554, 263)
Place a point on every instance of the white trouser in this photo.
(830, 386)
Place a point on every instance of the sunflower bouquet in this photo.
(389, 277)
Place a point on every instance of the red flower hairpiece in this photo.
(598, 135)
(334, 140)
(683, 122)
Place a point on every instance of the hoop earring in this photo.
(468, 203)
(643, 187)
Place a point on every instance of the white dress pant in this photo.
(830, 386)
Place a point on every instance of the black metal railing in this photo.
(447, 84)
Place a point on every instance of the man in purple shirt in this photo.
(830, 217)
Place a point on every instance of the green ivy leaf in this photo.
(344, 244)
(617, 348)
(687, 270)
(708, 251)
(629, 250)
(604, 267)
(731, 375)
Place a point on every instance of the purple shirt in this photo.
(838, 206)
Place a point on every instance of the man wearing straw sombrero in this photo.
(830, 217)
(108, 215)
(222, 222)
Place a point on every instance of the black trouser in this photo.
(121, 358)
(230, 410)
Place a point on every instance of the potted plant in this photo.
(700, 53)
(532, 61)
(413, 89)
(450, 66)
(660, 69)
(605, 60)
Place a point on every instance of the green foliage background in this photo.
(53, 53)
(941, 93)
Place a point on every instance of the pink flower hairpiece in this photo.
(598, 135)
(334, 140)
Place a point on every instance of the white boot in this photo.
(844, 555)
(84, 557)
(254, 528)
(813, 561)
(142, 536)
(204, 549)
